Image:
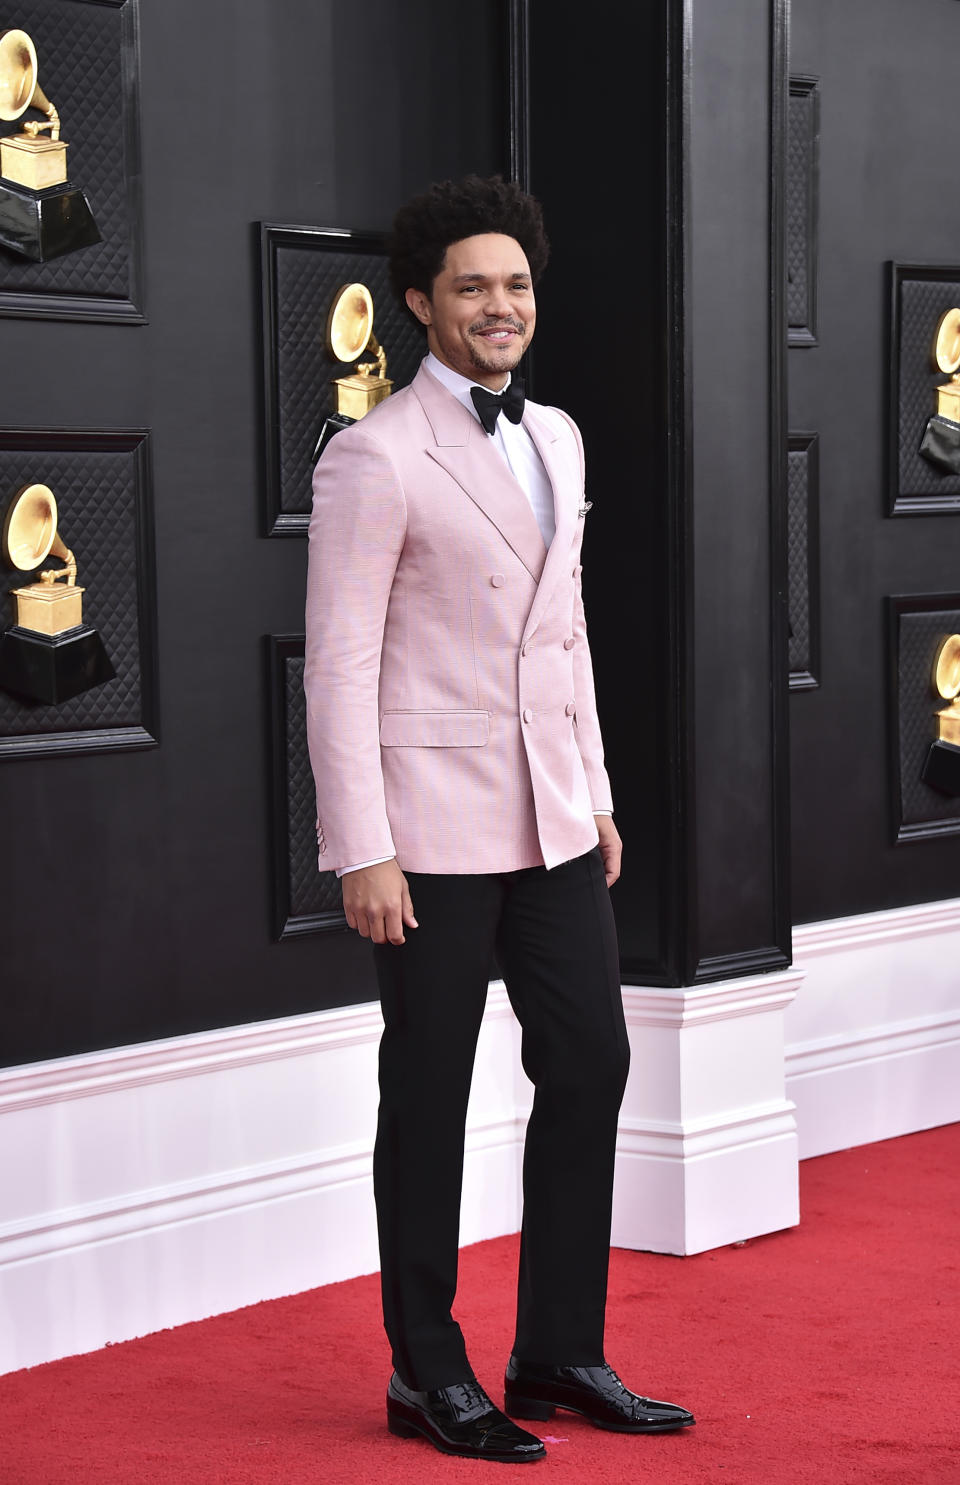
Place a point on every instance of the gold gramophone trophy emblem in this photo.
(942, 767)
(349, 334)
(42, 215)
(50, 654)
(940, 445)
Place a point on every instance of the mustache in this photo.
(518, 325)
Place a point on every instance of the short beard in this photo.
(488, 361)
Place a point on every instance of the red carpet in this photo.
(827, 1354)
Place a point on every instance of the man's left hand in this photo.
(611, 847)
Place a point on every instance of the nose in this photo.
(498, 304)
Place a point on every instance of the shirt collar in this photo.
(455, 383)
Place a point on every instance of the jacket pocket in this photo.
(434, 729)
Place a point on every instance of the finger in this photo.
(394, 926)
(377, 929)
(407, 908)
(363, 926)
(350, 916)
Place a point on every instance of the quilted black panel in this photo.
(801, 210)
(921, 303)
(798, 559)
(919, 639)
(81, 70)
(100, 503)
(307, 277)
(312, 892)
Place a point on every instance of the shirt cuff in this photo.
(342, 870)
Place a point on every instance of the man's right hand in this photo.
(376, 900)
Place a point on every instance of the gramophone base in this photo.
(940, 445)
(334, 424)
(53, 667)
(942, 767)
(45, 224)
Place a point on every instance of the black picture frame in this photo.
(304, 900)
(915, 487)
(300, 270)
(25, 296)
(803, 566)
(918, 812)
(136, 610)
(803, 209)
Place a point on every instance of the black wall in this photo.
(885, 192)
(137, 886)
(136, 891)
(660, 329)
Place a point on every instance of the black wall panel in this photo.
(599, 353)
(884, 69)
(157, 920)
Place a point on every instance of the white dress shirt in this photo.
(518, 450)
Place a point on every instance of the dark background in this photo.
(882, 68)
(137, 895)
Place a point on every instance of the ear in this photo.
(419, 304)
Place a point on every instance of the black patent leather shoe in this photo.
(595, 1391)
(459, 1420)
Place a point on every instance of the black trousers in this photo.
(555, 943)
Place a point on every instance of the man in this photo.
(463, 800)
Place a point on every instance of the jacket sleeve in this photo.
(357, 531)
(587, 729)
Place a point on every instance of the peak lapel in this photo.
(466, 452)
(563, 467)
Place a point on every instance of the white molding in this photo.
(116, 1219)
(700, 1004)
(736, 1130)
(707, 1147)
(868, 929)
(858, 1068)
(190, 1201)
(29, 1085)
(872, 1044)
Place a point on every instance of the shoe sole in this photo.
(540, 1412)
(403, 1428)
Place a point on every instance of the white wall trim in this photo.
(911, 923)
(195, 1054)
(831, 1053)
(698, 1137)
(150, 1185)
(858, 1068)
(701, 1004)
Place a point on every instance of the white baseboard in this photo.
(707, 1152)
(873, 1039)
(152, 1185)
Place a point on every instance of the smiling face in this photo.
(480, 312)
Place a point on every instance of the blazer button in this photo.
(568, 644)
(527, 714)
(577, 570)
(570, 708)
(497, 580)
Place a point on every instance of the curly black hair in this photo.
(452, 210)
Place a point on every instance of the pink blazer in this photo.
(451, 717)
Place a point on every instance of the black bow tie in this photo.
(488, 404)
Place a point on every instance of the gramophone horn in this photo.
(350, 322)
(19, 89)
(30, 530)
